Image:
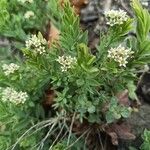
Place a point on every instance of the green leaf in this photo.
(132, 148)
(91, 109)
(93, 70)
(131, 89)
(94, 118)
(93, 82)
(143, 20)
(91, 61)
(109, 117)
(125, 112)
(116, 114)
(146, 138)
(80, 82)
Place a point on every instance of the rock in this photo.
(138, 122)
(143, 89)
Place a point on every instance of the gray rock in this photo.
(138, 122)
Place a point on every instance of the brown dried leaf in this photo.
(49, 98)
(79, 4)
(122, 131)
(105, 108)
(114, 138)
(79, 128)
(123, 98)
(53, 35)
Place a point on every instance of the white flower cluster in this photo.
(116, 17)
(29, 14)
(24, 1)
(9, 94)
(67, 62)
(38, 44)
(120, 55)
(9, 69)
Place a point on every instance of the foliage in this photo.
(116, 111)
(22, 17)
(146, 141)
(146, 138)
(84, 92)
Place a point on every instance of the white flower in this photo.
(146, 3)
(116, 17)
(10, 95)
(29, 14)
(9, 69)
(37, 44)
(66, 62)
(120, 55)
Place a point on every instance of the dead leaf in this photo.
(49, 98)
(123, 131)
(79, 4)
(105, 108)
(53, 35)
(79, 127)
(119, 131)
(123, 98)
(114, 138)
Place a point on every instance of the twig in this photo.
(77, 140)
(64, 135)
(33, 148)
(99, 135)
(57, 137)
(41, 123)
(71, 126)
(47, 135)
(105, 145)
(86, 139)
(41, 128)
